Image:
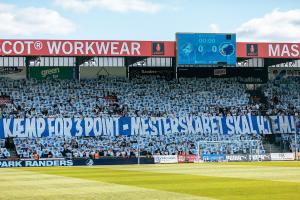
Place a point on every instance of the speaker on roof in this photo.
(228, 37)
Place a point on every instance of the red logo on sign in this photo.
(158, 48)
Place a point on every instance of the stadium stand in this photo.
(144, 97)
(112, 96)
(246, 104)
(118, 96)
(283, 96)
(4, 153)
(138, 97)
(126, 146)
(291, 142)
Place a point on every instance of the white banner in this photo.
(67, 127)
(237, 157)
(282, 156)
(168, 159)
(264, 157)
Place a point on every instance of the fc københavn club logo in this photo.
(226, 49)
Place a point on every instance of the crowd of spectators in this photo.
(283, 96)
(4, 153)
(121, 97)
(128, 146)
(291, 141)
(144, 96)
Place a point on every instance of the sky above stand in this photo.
(255, 20)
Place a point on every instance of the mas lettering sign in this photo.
(268, 50)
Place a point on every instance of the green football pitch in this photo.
(261, 180)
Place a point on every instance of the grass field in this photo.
(264, 180)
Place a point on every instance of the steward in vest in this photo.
(97, 156)
(35, 156)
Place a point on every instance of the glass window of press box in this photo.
(52, 62)
(253, 62)
(104, 62)
(12, 62)
(150, 62)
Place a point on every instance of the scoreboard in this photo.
(206, 49)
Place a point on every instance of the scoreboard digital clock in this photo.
(206, 49)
